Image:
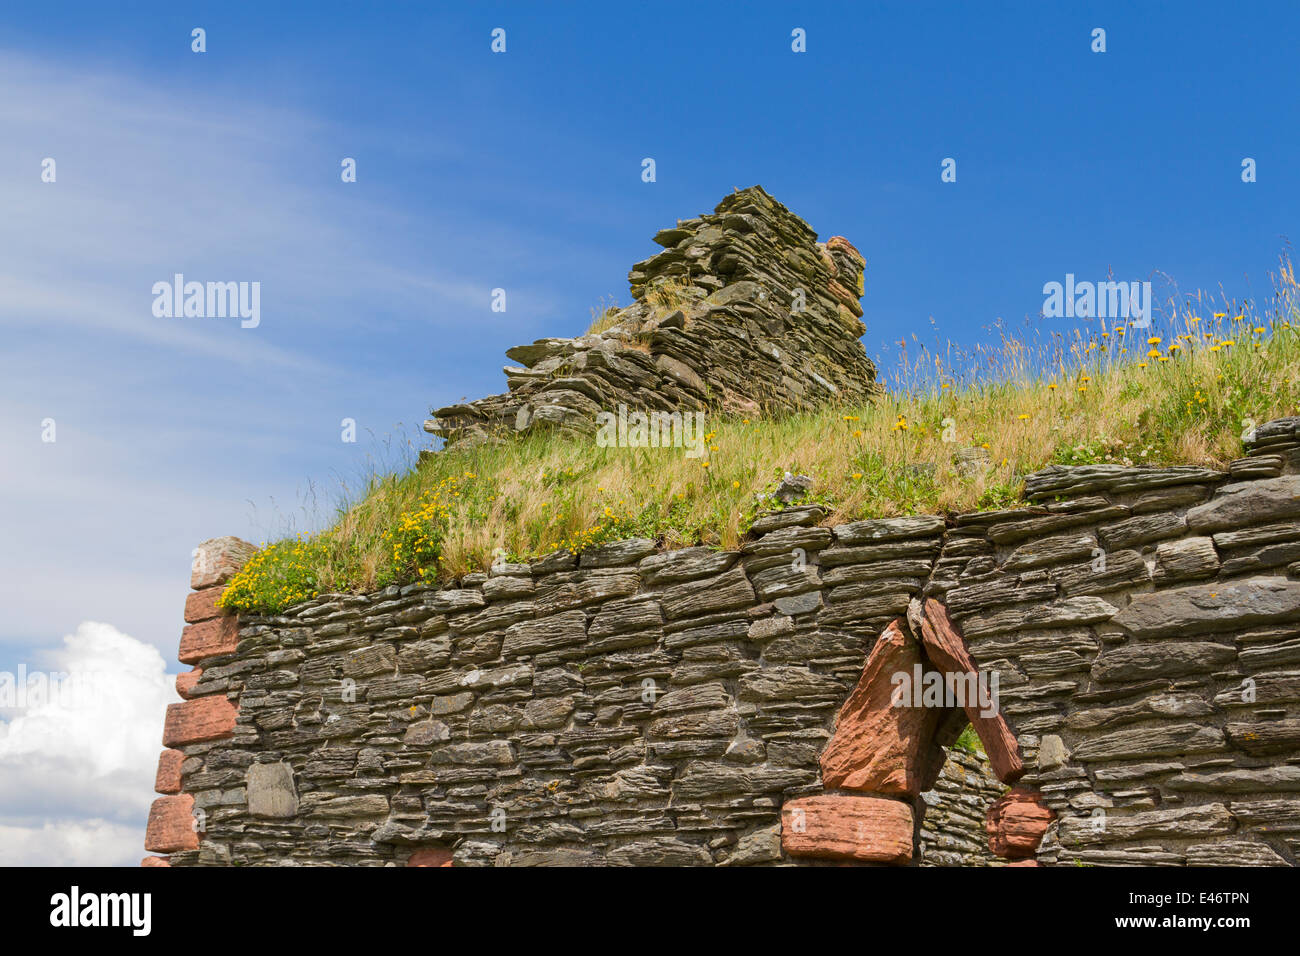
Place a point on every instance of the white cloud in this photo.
(77, 771)
(72, 843)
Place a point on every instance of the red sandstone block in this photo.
(194, 721)
(1024, 863)
(947, 651)
(1016, 823)
(171, 825)
(879, 746)
(168, 779)
(430, 857)
(217, 560)
(208, 639)
(186, 680)
(843, 827)
(155, 861)
(202, 605)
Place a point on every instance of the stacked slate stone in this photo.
(1271, 447)
(1145, 627)
(952, 829)
(633, 706)
(743, 311)
(629, 706)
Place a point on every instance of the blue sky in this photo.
(522, 170)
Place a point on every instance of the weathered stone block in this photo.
(171, 825)
(1247, 503)
(217, 560)
(841, 827)
(1211, 607)
(196, 721)
(168, 778)
(220, 635)
(202, 605)
(271, 792)
(1016, 823)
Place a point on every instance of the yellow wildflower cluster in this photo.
(414, 542)
(278, 576)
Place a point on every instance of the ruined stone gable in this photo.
(744, 310)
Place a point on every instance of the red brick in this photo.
(208, 639)
(171, 825)
(846, 827)
(186, 680)
(877, 746)
(168, 778)
(155, 861)
(194, 721)
(1016, 823)
(430, 857)
(202, 605)
(947, 651)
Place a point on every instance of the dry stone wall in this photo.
(743, 310)
(631, 706)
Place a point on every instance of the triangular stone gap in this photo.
(879, 746)
(946, 649)
(883, 745)
(887, 748)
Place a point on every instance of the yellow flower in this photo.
(1024, 417)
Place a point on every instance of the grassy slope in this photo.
(1115, 397)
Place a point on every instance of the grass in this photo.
(1182, 392)
(604, 316)
(969, 741)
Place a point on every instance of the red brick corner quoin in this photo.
(171, 825)
(209, 632)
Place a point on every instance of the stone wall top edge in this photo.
(1133, 480)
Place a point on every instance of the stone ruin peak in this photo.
(743, 311)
